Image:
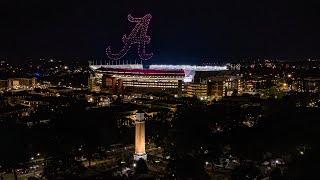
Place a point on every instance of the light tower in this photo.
(140, 150)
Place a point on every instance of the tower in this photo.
(140, 150)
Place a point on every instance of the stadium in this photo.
(138, 78)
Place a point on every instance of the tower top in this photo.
(139, 116)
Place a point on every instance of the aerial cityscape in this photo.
(159, 90)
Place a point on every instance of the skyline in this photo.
(188, 33)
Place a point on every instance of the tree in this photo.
(246, 171)
(13, 152)
(63, 167)
(142, 167)
(189, 167)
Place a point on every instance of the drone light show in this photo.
(137, 36)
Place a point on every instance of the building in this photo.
(140, 149)
(128, 81)
(214, 85)
(94, 84)
(136, 78)
(311, 84)
(98, 100)
(197, 89)
(18, 83)
(144, 80)
(225, 85)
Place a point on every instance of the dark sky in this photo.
(183, 30)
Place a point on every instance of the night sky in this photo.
(181, 30)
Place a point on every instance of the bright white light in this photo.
(189, 67)
(125, 66)
(134, 165)
(189, 70)
(163, 67)
(90, 99)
